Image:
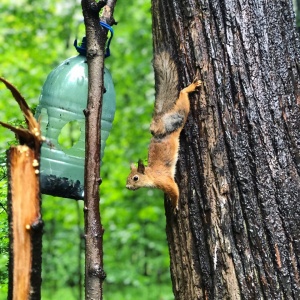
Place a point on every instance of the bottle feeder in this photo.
(60, 111)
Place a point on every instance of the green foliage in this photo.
(35, 37)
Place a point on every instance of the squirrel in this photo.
(170, 115)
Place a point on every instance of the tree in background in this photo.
(237, 231)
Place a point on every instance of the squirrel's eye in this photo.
(135, 178)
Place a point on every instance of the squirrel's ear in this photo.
(141, 167)
(132, 166)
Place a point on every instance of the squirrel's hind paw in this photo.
(176, 209)
(193, 86)
(197, 82)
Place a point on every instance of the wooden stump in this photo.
(25, 223)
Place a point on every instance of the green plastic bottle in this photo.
(62, 101)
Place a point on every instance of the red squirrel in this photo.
(168, 120)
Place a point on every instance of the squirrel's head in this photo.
(137, 177)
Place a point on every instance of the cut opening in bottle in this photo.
(69, 135)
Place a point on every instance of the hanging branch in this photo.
(96, 38)
(25, 224)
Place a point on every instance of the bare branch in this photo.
(96, 37)
(31, 136)
(108, 11)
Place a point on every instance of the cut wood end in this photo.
(23, 149)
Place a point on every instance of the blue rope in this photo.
(82, 49)
(107, 50)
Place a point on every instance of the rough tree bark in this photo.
(237, 233)
(24, 207)
(96, 38)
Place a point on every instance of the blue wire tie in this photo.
(82, 49)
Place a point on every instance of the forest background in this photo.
(36, 36)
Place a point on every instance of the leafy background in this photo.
(35, 36)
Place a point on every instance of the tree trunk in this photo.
(237, 232)
(297, 11)
(96, 38)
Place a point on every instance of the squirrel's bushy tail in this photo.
(166, 82)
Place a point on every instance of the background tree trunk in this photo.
(237, 233)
